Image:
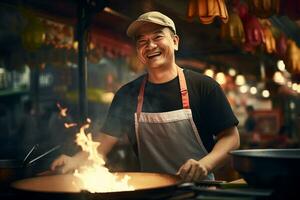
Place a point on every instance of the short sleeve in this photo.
(219, 112)
(115, 119)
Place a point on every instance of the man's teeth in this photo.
(152, 55)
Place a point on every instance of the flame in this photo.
(95, 177)
(63, 111)
(69, 125)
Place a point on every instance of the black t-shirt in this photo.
(210, 108)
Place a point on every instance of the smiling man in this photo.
(177, 120)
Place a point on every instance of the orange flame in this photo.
(95, 177)
(69, 125)
(63, 111)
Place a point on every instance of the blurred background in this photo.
(250, 47)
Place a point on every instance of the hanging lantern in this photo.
(265, 8)
(242, 10)
(207, 10)
(233, 30)
(292, 58)
(33, 35)
(290, 8)
(254, 33)
(281, 45)
(270, 42)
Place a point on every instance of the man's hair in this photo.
(172, 33)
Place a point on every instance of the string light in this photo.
(220, 78)
(253, 90)
(265, 93)
(281, 65)
(209, 72)
(232, 72)
(240, 80)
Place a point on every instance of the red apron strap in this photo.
(183, 89)
(141, 97)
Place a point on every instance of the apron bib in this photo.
(167, 140)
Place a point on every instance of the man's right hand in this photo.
(64, 164)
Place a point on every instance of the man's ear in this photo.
(176, 42)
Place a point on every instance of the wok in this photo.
(268, 168)
(147, 185)
(13, 169)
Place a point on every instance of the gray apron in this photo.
(167, 140)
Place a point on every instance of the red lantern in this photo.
(207, 10)
(242, 10)
(253, 32)
(281, 45)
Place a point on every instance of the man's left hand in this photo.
(193, 170)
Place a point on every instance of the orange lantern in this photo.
(292, 59)
(233, 30)
(207, 10)
(265, 8)
(270, 42)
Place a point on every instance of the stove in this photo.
(188, 191)
(238, 192)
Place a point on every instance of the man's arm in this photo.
(65, 164)
(194, 170)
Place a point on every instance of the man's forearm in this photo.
(227, 141)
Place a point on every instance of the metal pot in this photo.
(61, 187)
(10, 170)
(268, 168)
(14, 169)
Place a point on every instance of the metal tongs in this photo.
(26, 161)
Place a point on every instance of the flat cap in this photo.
(150, 17)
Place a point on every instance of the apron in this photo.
(167, 140)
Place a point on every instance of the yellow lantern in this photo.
(292, 57)
(264, 8)
(207, 10)
(269, 42)
(33, 35)
(233, 30)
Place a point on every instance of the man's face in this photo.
(156, 45)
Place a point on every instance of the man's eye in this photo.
(141, 42)
(158, 37)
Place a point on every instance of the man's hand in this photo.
(192, 170)
(64, 164)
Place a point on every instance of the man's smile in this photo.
(153, 55)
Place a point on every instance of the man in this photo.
(250, 122)
(171, 115)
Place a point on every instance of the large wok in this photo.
(268, 168)
(147, 185)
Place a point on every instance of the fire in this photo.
(95, 177)
(69, 125)
(63, 111)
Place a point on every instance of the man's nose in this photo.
(151, 44)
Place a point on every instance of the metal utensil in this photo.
(44, 154)
(29, 153)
